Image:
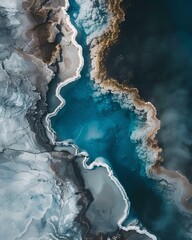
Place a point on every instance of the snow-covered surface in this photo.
(31, 201)
(11, 4)
(34, 204)
(17, 95)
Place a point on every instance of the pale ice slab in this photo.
(108, 206)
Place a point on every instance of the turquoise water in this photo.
(102, 128)
(99, 126)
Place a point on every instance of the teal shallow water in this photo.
(103, 129)
(99, 126)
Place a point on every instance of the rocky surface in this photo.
(39, 199)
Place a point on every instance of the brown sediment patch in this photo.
(99, 74)
(52, 37)
(99, 46)
(42, 38)
(141, 108)
(49, 50)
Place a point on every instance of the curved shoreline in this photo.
(99, 75)
(66, 81)
(129, 98)
(102, 163)
(74, 148)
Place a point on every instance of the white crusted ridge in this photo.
(101, 162)
(96, 163)
(73, 73)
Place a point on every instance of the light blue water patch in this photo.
(100, 127)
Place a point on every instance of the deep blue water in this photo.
(102, 128)
(155, 45)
